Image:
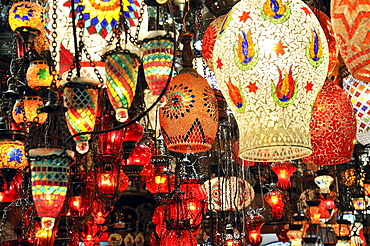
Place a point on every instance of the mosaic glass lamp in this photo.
(38, 75)
(359, 93)
(26, 111)
(332, 127)
(323, 181)
(228, 193)
(270, 60)
(157, 57)
(49, 176)
(121, 71)
(350, 19)
(80, 99)
(26, 19)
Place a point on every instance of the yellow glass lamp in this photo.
(26, 111)
(26, 19)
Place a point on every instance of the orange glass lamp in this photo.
(313, 212)
(157, 56)
(323, 181)
(26, 19)
(162, 179)
(284, 171)
(50, 174)
(254, 223)
(350, 23)
(295, 234)
(342, 228)
(107, 176)
(121, 71)
(26, 111)
(268, 73)
(276, 198)
(38, 75)
(80, 99)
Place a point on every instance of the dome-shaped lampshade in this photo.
(350, 19)
(189, 119)
(332, 133)
(359, 93)
(209, 39)
(270, 61)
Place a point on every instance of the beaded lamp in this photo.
(350, 19)
(332, 133)
(270, 60)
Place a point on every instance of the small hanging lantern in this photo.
(26, 111)
(100, 210)
(26, 19)
(313, 211)
(132, 134)
(342, 228)
(50, 175)
(107, 179)
(254, 223)
(162, 179)
(38, 75)
(323, 181)
(121, 71)
(276, 198)
(80, 99)
(350, 23)
(295, 234)
(358, 202)
(228, 193)
(270, 60)
(157, 57)
(141, 155)
(80, 194)
(332, 134)
(283, 171)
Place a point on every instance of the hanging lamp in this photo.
(283, 170)
(270, 61)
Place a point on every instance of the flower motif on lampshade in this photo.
(209, 39)
(350, 19)
(228, 193)
(12, 154)
(359, 93)
(80, 99)
(50, 173)
(189, 119)
(121, 71)
(270, 62)
(158, 50)
(26, 111)
(332, 127)
(326, 25)
(38, 74)
(26, 18)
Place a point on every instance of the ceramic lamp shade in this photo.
(209, 39)
(26, 18)
(80, 99)
(350, 19)
(230, 193)
(189, 119)
(38, 74)
(49, 176)
(121, 71)
(158, 51)
(270, 61)
(359, 93)
(332, 127)
(26, 111)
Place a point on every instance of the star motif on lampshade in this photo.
(279, 48)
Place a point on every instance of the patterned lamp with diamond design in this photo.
(50, 173)
(189, 119)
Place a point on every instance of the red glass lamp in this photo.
(276, 198)
(178, 238)
(254, 223)
(162, 179)
(141, 155)
(283, 170)
(91, 233)
(107, 176)
(80, 194)
(332, 134)
(100, 210)
(11, 192)
(132, 134)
